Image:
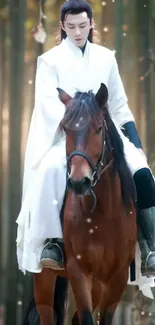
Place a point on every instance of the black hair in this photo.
(75, 7)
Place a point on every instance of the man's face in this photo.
(77, 28)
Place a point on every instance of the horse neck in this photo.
(108, 190)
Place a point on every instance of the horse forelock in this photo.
(81, 111)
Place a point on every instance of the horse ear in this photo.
(64, 97)
(102, 95)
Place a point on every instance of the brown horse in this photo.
(99, 220)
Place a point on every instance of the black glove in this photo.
(130, 131)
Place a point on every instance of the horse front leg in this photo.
(112, 296)
(81, 286)
(108, 315)
(44, 288)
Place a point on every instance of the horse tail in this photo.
(59, 299)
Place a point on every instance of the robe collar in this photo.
(77, 51)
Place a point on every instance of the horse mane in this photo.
(120, 166)
(84, 108)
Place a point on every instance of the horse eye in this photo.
(99, 130)
(65, 129)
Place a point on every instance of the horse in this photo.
(99, 216)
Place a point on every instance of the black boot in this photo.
(52, 255)
(146, 239)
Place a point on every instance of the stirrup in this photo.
(147, 272)
(50, 262)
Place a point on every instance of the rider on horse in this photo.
(76, 64)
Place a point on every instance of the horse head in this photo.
(84, 125)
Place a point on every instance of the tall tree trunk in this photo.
(1, 105)
(17, 10)
(118, 28)
(143, 17)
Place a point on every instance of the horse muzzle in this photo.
(81, 187)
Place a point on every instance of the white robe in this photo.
(44, 182)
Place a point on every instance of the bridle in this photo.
(101, 165)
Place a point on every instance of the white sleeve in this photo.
(118, 102)
(47, 114)
(46, 93)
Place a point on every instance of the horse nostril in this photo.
(86, 182)
(79, 187)
(70, 183)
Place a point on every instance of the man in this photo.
(75, 64)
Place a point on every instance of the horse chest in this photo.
(88, 250)
(89, 242)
